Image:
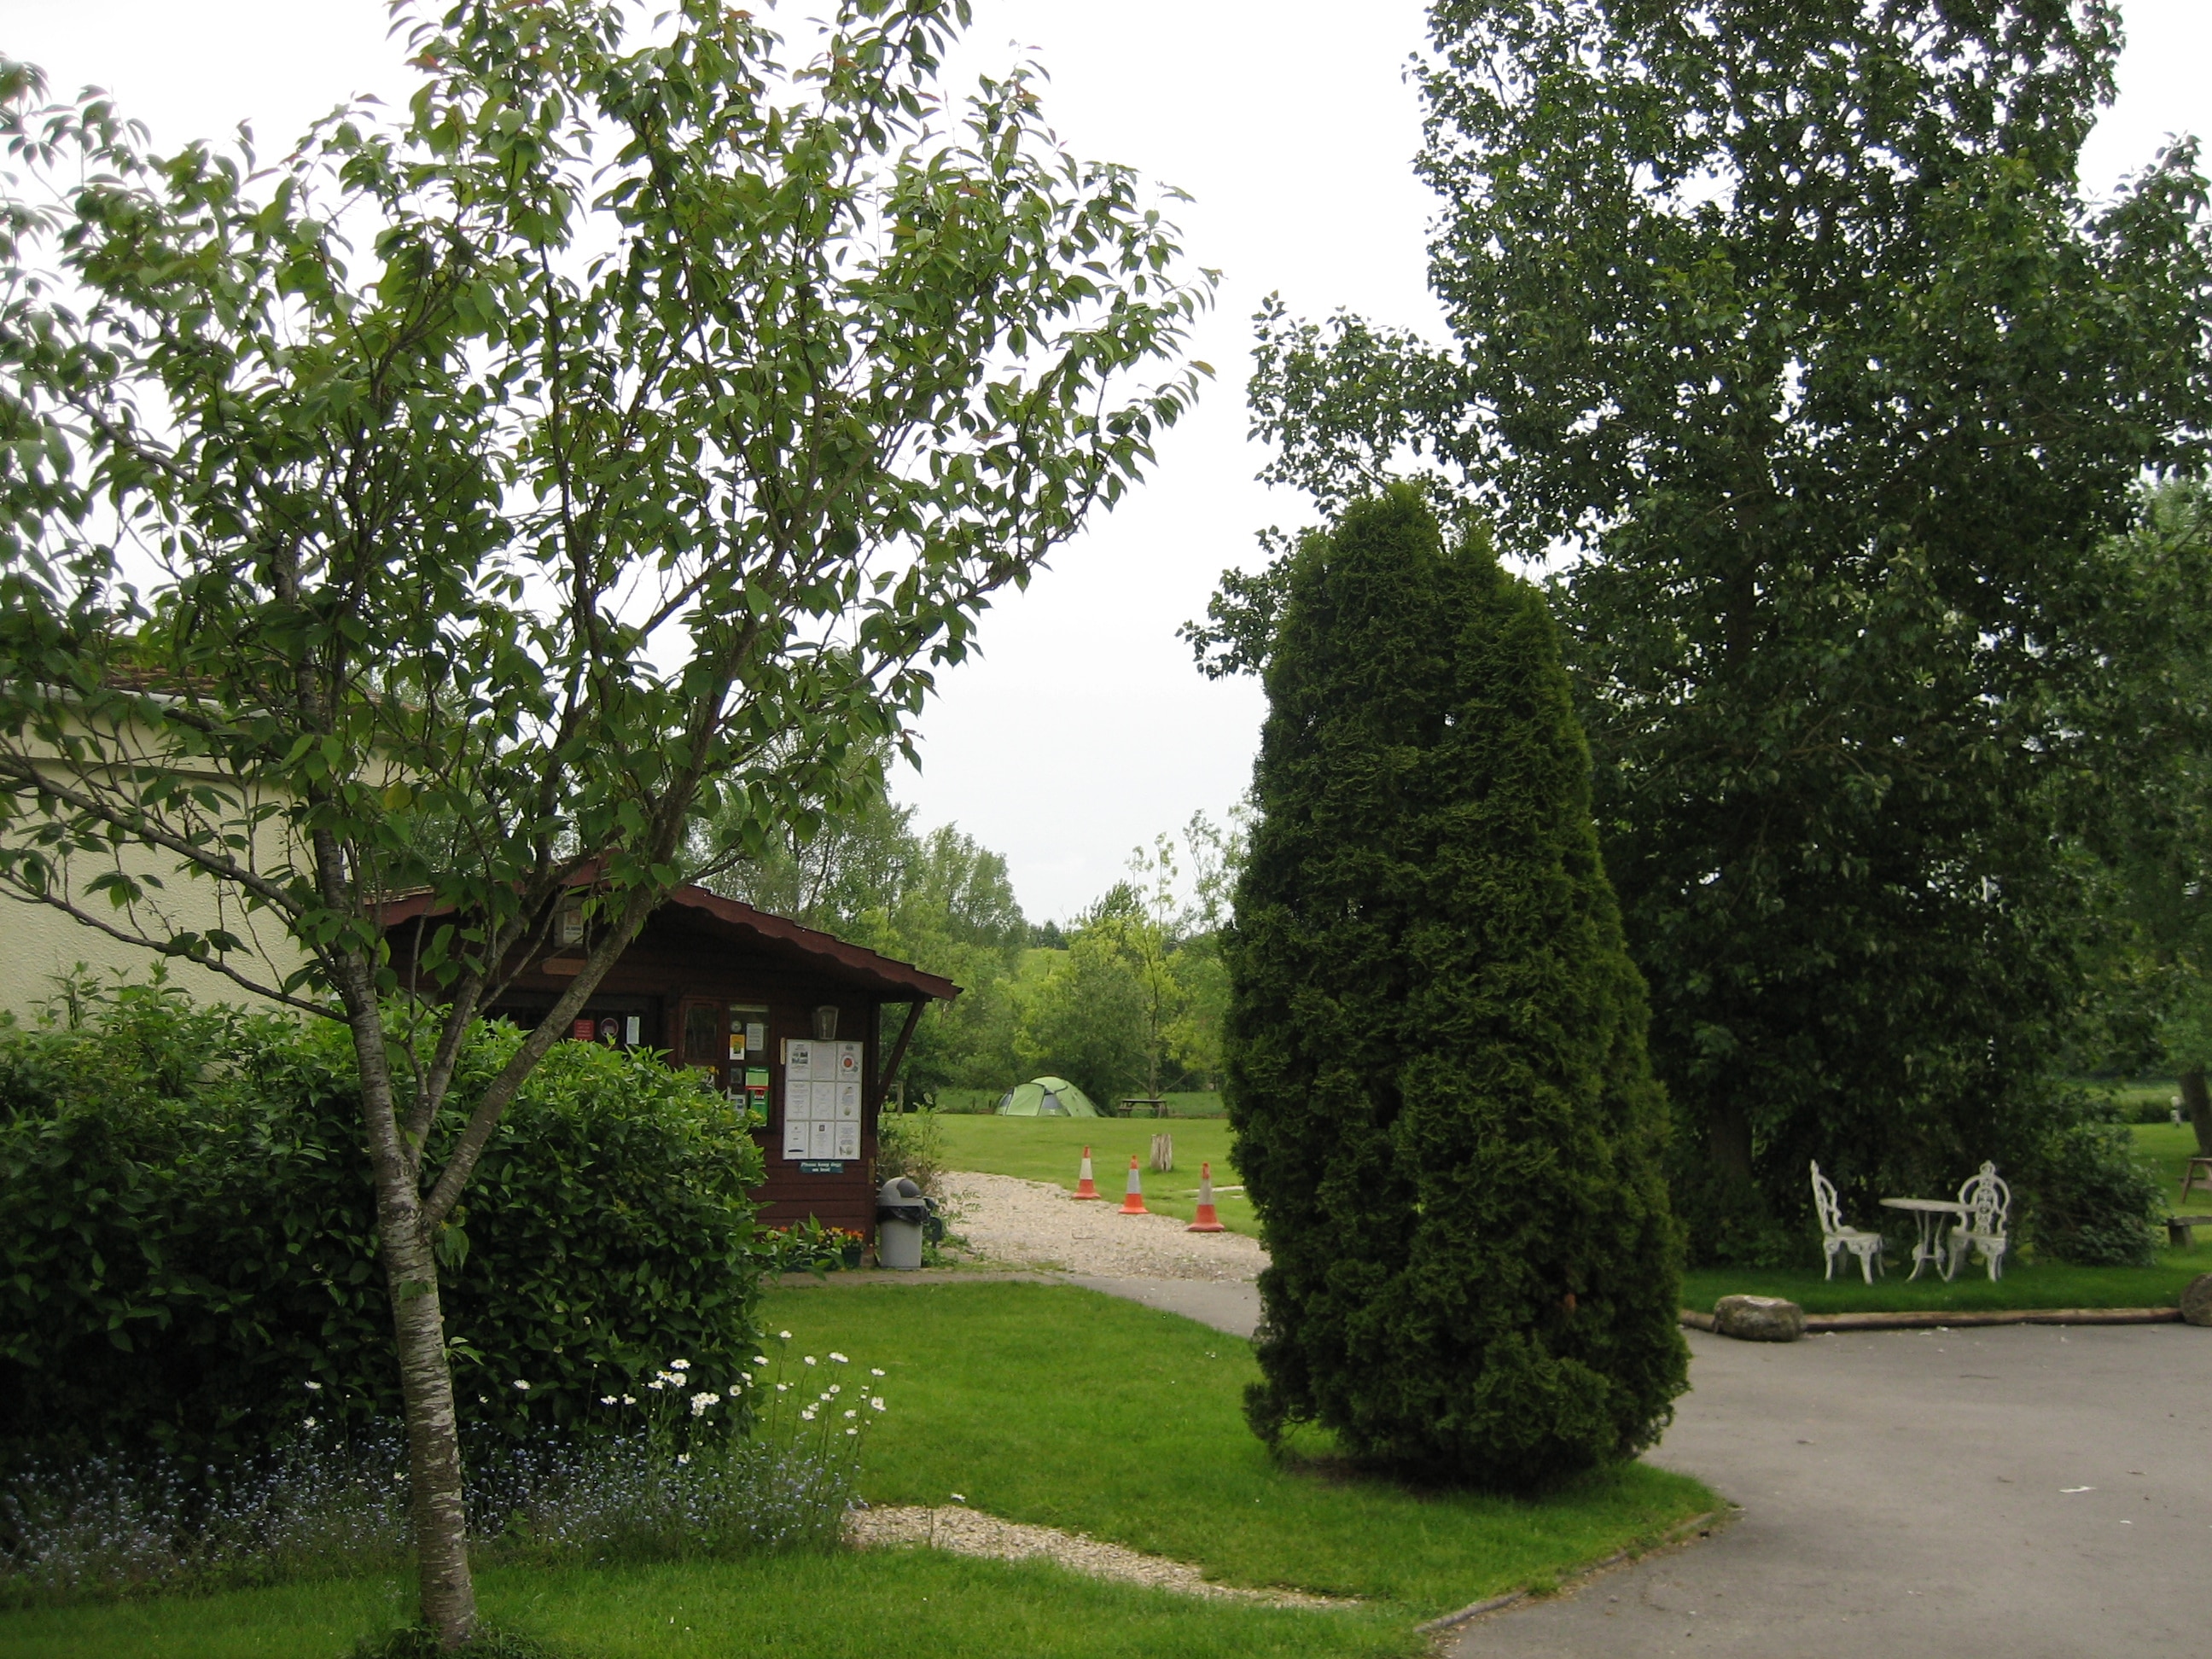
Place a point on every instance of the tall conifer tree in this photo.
(1445, 1115)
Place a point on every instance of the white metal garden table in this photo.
(1928, 1215)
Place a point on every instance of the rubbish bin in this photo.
(902, 1212)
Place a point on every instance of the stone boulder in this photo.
(1759, 1319)
(2197, 1300)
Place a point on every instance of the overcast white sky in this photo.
(1084, 729)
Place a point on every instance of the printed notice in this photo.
(848, 1140)
(848, 1104)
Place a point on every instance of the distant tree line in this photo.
(1127, 997)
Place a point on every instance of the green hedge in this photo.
(187, 1232)
(2094, 1203)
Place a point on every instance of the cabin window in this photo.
(702, 1034)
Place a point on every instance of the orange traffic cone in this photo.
(1209, 1221)
(1086, 1184)
(1133, 1202)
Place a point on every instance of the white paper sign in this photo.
(849, 1060)
(798, 1063)
(822, 1140)
(848, 1104)
(795, 1137)
(848, 1140)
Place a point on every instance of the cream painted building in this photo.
(38, 943)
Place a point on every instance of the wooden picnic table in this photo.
(1130, 1102)
(1927, 1215)
(2193, 1169)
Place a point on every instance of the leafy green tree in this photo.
(1193, 1037)
(1216, 856)
(628, 430)
(1139, 920)
(1791, 319)
(2155, 835)
(1086, 1019)
(1445, 1113)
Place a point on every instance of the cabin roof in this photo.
(693, 908)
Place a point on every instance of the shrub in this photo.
(1444, 1114)
(809, 1246)
(910, 1144)
(2095, 1202)
(187, 1232)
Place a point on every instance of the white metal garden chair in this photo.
(1835, 1237)
(1988, 1203)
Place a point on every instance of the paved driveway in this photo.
(1904, 1495)
(1908, 1494)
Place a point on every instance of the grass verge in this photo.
(1051, 1148)
(1054, 1406)
(794, 1607)
(2048, 1285)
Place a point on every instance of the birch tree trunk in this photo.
(437, 1507)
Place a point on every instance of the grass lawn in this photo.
(1051, 1149)
(1037, 1403)
(807, 1606)
(2168, 1145)
(1055, 1405)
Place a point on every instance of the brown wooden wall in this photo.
(672, 966)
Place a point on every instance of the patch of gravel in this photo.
(965, 1531)
(1033, 1224)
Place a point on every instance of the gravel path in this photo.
(970, 1532)
(1033, 1223)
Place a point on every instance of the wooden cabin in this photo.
(788, 1020)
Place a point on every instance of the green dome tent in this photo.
(1046, 1096)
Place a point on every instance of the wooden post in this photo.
(898, 1052)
